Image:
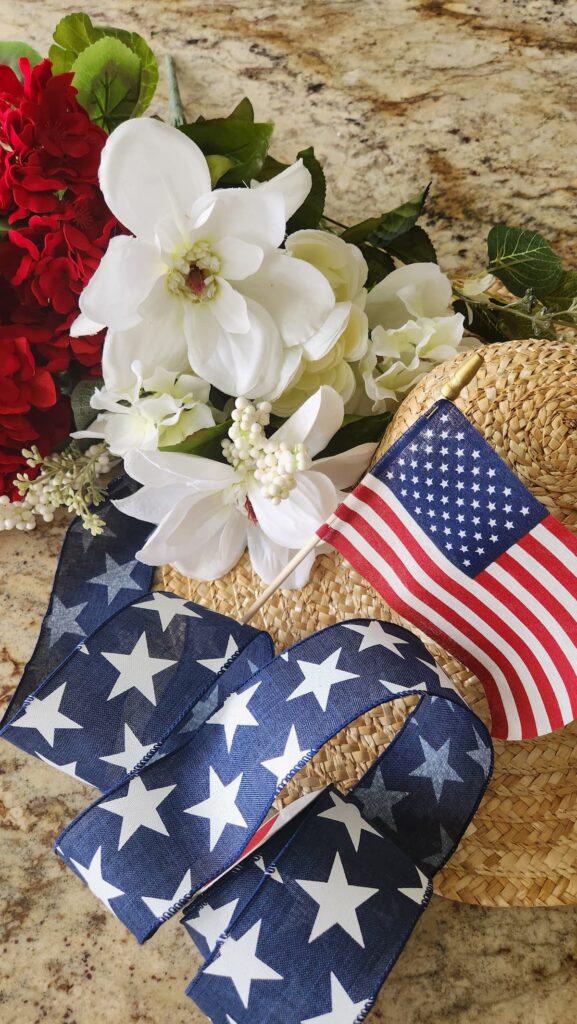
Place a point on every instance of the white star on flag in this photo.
(212, 922)
(138, 809)
(216, 664)
(168, 608)
(285, 762)
(349, 815)
(343, 1010)
(376, 635)
(92, 875)
(318, 679)
(159, 906)
(338, 902)
(234, 713)
(116, 578)
(239, 962)
(219, 807)
(137, 669)
(133, 751)
(44, 714)
(417, 893)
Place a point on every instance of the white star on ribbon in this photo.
(159, 906)
(219, 807)
(234, 713)
(349, 815)
(274, 874)
(116, 578)
(417, 893)
(216, 664)
(482, 755)
(168, 608)
(343, 1010)
(397, 688)
(212, 922)
(338, 902)
(442, 678)
(138, 809)
(137, 669)
(318, 679)
(62, 620)
(290, 757)
(44, 715)
(92, 875)
(376, 635)
(238, 961)
(436, 766)
(133, 751)
(68, 769)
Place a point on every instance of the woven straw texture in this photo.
(521, 848)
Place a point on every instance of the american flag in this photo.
(455, 543)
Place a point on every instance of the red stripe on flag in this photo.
(435, 571)
(383, 587)
(564, 572)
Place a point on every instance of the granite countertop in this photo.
(480, 98)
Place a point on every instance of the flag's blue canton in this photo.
(190, 727)
(460, 491)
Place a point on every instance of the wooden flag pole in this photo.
(450, 390)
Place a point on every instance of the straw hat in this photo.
(521, 848)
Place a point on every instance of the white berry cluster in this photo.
(271, 463)
(67, 479)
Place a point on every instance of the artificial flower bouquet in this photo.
(175, 298)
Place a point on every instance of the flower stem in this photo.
(176, 109)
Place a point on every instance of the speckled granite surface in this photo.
(479, 97)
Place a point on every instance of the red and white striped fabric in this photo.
(455, 543)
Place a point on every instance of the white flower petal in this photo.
(253, 216)
(83, 326)
(127, 273)
(150, 170)
(268, 559)
(294, 184)
(297, 296)
(238, 364)
(229, 308)
(152, 504)
(417, 290)
(347, 468)
(202, 537)
(238, 259)
(315, 423)
(323, 341)
(161, 469)
(150, 344)
(294, 520)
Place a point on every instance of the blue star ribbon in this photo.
(190, 727)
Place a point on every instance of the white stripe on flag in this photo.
(472, 588)
(556, 547)
(536, 568)
(384, 568)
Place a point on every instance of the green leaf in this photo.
(244, 143)
(380, 264)
(75, 33)
(11, 52)
(82, 410)
(107, 76)
(309, 214)
(244, 111)
(4, 226)
(218, 165)
(383, 229)
(523, 260)
(565, 292)
(205, 442)
(414, 246)
(357, 430)
(494, 324)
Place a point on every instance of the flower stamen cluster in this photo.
(193, 275)
(272, 464)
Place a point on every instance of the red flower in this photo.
(52, 144)
(31, 409)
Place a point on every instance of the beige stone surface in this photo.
(480, 98)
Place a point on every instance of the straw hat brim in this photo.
(521, 848)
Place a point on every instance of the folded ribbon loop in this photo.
(190, 727)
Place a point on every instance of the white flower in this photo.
(345, 269)
(149, 412)
(270, 494)
(413, 329)
(204, 268)
(398, 358)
